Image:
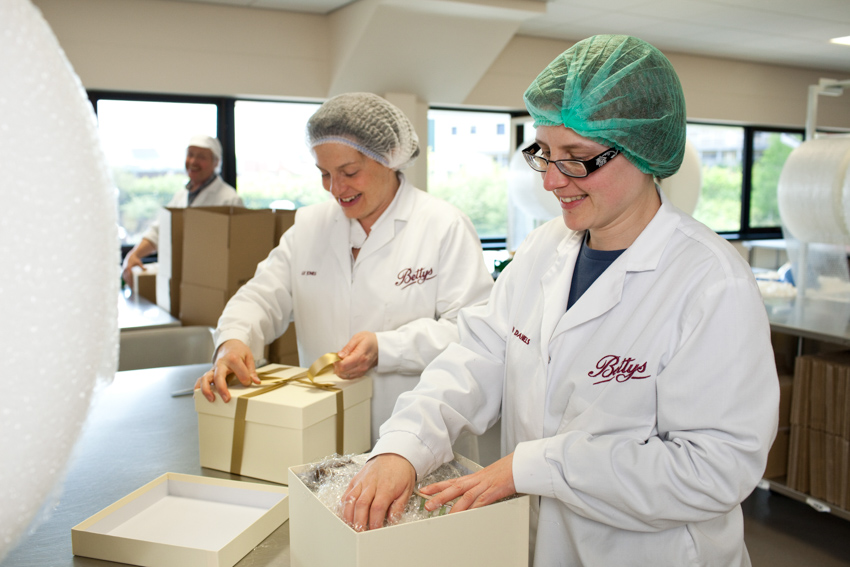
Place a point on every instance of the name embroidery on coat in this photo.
(409, 276)
(520, 336)
(308, 273)
(612, 367)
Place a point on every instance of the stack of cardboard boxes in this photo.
(207, 253)
(819, 448)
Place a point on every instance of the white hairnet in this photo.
(204, 141)
(370, 125)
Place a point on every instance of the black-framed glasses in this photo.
(569, 167)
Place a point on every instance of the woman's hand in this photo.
(475, 490)
(232, 357)
(358, 356)
(380, 490)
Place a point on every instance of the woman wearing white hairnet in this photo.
(626, 347)
(377, 275)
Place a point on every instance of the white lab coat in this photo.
(641, 417)
(309, 278)
(217, 193)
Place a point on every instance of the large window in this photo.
(145, 147)
(468, 158)
(740, 177)
(721, 152)
(274, 166)
(770, 150)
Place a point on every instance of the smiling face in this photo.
(363, 187)
(614, 203)
(200, 165)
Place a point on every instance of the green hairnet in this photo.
(370, 125)
(618, 91)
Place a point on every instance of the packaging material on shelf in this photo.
(777, 459)
(284, 427)
(492, 535)
(169, 259)
(178, 520)
(820, 427)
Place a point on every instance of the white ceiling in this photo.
(785, 32)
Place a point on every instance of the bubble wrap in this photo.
(59, 245)
(814, 198)
(328, 480)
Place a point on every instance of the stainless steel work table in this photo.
(134, 433)
(136, 312)
(818, 319)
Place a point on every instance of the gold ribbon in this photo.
(321, 365)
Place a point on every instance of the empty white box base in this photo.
(179, 520)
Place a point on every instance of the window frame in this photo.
(226, 122)
(224, 119)
(747, 232)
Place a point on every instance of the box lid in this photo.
(294, 405)
(178, 520)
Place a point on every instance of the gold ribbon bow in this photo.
(321, 365)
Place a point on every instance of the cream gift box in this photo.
(492, 535)
(180, 520)
(283, 427)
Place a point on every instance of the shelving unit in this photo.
(823, 321)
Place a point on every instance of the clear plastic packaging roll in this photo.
(814, 193)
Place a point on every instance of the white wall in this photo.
(175, 47)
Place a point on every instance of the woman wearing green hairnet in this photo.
(626, 347)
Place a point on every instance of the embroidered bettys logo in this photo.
(612, 367)
(409, 276)
(520, 336)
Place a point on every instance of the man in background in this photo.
(205, 188)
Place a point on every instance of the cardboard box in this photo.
(798, 458)
(144, 282)
(786, 392)
(223, 245)
(817, 463)
(777, 458)
(180, 520)
(283, 220)
(844, 473)
(285, 427)
(201, 305)
(800, 395)
(169, 259)
(493, 535)
(284, 349)
(817, 394)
